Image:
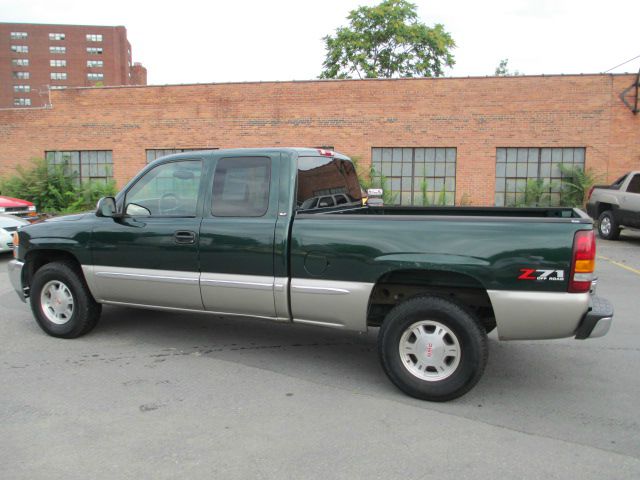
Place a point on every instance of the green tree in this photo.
(502, 70)
(386, 41)
(52, 190)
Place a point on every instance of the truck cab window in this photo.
(325, 183)
(241, 187)
(170, 189)
(634, 184)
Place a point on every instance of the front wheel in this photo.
(432, 349)
(61, 301)
(608, 228)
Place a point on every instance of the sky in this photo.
(193, 41)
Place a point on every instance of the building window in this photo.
(56, 36)
(95, 63)
(22, 102)
(85, 165)
(416, 176)
(21, 88)
(20, 62)
(58, 75)
(58, 50)
(94, 37)
(19, 35)
(20, 48)
(95, 76)
(57, 63)
(21, 75)
(152, 154)
(57, 87)
(94, 50)
(518, 167)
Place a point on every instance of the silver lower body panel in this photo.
(330, 303)
(537, 315)
(15, 275)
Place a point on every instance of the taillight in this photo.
(583, 262)
(590, 192)
(16, 242)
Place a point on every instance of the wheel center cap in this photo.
(432, 351)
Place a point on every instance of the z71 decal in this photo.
(533, 274)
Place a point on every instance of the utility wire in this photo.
(623, 63)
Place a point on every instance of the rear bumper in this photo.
(15, 275)
(597, 321)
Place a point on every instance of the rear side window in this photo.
(241, 187)
(325, 182)
(634, 184)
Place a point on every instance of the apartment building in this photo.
(38, 58)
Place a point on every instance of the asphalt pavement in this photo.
(162, 395)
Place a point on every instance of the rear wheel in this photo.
(433, 349)
(608, 228)
(61, 301)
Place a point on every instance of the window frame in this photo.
(516, 166)
(413, 171)
(84, 164)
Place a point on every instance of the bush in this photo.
(576, 182)
(52, 190)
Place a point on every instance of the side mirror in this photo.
(106, 207)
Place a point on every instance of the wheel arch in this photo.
(396, 286)
(36, 259)
(603, 207)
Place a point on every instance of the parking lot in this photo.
(158, 395)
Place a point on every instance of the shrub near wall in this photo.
(52, 190)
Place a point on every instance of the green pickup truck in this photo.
(284, 234)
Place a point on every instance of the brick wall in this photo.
(475, 115)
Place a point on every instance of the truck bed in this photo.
(490, 212)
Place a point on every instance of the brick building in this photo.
(35, 58)
(476, 139)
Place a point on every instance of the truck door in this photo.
(237, 237)
(631, 202)
(150, 257)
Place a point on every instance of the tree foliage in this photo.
(52, 190)
(502, 70)
(387, 41)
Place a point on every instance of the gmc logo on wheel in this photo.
(534, 274)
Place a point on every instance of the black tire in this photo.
(85, 311)
(611, 227)
(467, 331)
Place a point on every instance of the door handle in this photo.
(185, 237)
